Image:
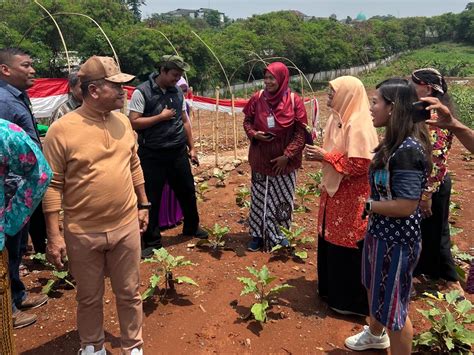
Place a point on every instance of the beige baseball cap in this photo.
(96, 68)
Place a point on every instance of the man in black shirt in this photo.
(158, 114)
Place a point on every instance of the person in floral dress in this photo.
(20, 156)
(349, 141)
(436, 260)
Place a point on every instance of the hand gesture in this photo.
(313, 152)
(56, 251)
(279, 164)
(143, 220)
(261, 136)
(167, 114)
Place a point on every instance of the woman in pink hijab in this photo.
(275, 120)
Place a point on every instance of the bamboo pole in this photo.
(216, 128)
(234, 126)
(302, 87)
(60, 34)
(199, 127)
(226, 140)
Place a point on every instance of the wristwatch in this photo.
(368, 206)
(144, 206)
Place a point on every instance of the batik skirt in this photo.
(271, 206)
(387, 272)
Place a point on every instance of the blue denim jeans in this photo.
(16, 246)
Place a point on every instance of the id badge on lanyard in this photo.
(270, 121)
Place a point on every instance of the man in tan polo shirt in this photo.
(99, 184)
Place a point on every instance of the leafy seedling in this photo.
(59, 277)
(163, 275)
(460, 258)
(258, 286)
(242, 197)
(454, 208)
(201, 190)
(216, 234)
(450, 331)
(315, 185)
(220, 176)
(296, 241)
(302, 192)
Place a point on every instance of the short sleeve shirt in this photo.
(403, 177)
(137, 103)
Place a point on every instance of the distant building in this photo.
(301, 15)
(431, 32)
(361, 17)
(193, 14)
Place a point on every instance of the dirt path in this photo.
(207, 319)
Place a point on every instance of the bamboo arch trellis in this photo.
(59, 31)
(61, 35)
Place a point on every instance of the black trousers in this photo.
(172, 166)
(38, 230)
(436, 260)
(339, 275)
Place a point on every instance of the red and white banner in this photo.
(47, 94)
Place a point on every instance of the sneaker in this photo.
(23, 270)
(33, 301)
(256, 244)
(200, 234)
(285, 243)
(366, 340)
(148, 251)
(23, 319)
(89, 350)
(136, 351)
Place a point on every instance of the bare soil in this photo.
(208, 318)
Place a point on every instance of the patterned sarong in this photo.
(271, 206)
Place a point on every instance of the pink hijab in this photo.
(278, 104)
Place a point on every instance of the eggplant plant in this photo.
(295, 239)
(59, 277)
(242, 197)
(259, 287)
(315, 185)
(302, 192)
(216, 234)
(201, 190)
(163, 275)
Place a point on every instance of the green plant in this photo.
(449, 331)
(315, 185)
(220, 176)
(163, 275)
(201, 190)
(302, 192)
(462, 96)
(460, 258)
(459, 255)
(293, 236)
(453, 208)
(59, 276)
(259, 287)
(217, 232)
(241, 198)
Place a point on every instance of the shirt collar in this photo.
(155, 87)
(13, 90)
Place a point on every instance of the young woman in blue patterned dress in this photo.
(397, 177)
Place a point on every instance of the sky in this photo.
(319, 8)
